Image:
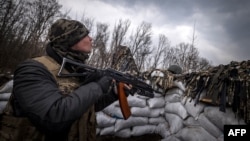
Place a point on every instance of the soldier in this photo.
(44, 106)
(175, 69)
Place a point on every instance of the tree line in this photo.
(24, 25)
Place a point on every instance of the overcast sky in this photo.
(221, 26)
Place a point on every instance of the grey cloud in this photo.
(224, 23)
(233, 17)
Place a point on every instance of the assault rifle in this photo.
(140, 87)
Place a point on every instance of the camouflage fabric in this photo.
(123, 61)
(66, 33)
(225, 85)
(63, 34)
(161, 80)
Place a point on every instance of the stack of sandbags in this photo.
(149, 115)
(5, 92)
(146, 118)
(173, 116)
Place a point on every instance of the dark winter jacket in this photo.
(36, 96)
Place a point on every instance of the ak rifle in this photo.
(139, 86)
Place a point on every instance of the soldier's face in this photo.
(84, 45)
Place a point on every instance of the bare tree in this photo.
(119, 33)
(41, 14)
(203, 64)
(157, 56)
(23, 25)
(194, 37)
(100, 55)
(192, 59)
(195, 62)
(193, 54)
(88, 22)
(140, 43)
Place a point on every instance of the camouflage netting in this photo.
(123, 61)
(224, 85)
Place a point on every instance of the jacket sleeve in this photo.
(105, 100)
(36, 95)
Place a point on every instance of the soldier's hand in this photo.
(105, 83)
(127, 88)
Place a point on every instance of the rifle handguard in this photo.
(123, 101)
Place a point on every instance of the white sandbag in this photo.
(98, 130)
(7, 88)
(148, 82)
(156, 73)
(113, 111)
(221, 138)
(175, 91)
(156, 120)
(156, 102)
(159, 93)
(175, 122)
(220, 118)
(2, 106)
(194, 110)
(190, 121)
(142, 130)
(108, 131)
(4, 96)
(163, 130)
(158, 90)
(170, 138)
(176, 108)
(130, 122)
(173, 98)
(104, 120)
(140, 112)
(141, 96)
(187, 99)
(124, 133)
(209, 126)
(194, 133)
(156, 112)
(134, 101)
(180, 85)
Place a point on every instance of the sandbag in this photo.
(7, 88)
(130, 122)
(176, 108)
(104, 120)
(175, 122)
(194, 133)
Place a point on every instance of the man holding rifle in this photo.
(45, 106)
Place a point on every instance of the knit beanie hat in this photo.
(63, 34)
(66, 33)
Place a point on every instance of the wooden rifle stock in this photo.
(123, 101)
